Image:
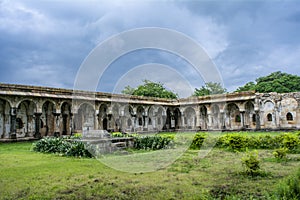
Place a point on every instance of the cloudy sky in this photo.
(45, 42)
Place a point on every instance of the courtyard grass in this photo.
(25, 174)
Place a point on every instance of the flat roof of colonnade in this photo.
(61, 93)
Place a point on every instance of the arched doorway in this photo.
(203, 117)
(26, 125)
(66, 118)
(233, 116)
(48, 119)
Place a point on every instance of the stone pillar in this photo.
(57, 124)
(96, 121)
(209, 123)
(222, 120)
(198, 117)
(257, 119)
(71, 124)
(37, 133)
(13, 119)
(243, 119)
(146, 122)
(182, 122)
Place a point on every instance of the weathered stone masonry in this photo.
(30, 111)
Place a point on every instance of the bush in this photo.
(234, 142)
(198, 141)
(153, 142)
(63, 146)
(280, 153)
(251, 163)
(291, 142)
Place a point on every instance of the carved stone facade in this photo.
(30, 111)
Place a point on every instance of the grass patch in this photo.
(26, 174)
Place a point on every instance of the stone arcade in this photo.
(30, 111)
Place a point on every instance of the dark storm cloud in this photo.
(45, 42)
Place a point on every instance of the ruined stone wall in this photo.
(30, 111)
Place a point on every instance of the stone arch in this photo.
(250, 116)
(289, 116)
(269, 117)
(5, 118)
(215, 116)
(66, 115)
(114, 118)
(190, 117)
(48, 118)
(160, 115)
(289, 110)
(8, 101)
(126, 118)
(268, 105)
(140, 117)
(25, 113)
(203, 117)
(233, 118)
(27, 99)
(177, 118)
(85, 118)
(102, 116)
(152, 117)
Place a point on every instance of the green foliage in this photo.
(250, 86)
(76, 136)
(209, 89)
(275, 82)
(251, 163)
(198, 141)
(280, 154)
(119, 134)
(128, 90)
(155, 142)
(62, 146)
(150, 89)
(289, 188)
(291, 142)
(239, 142)
(234, 141)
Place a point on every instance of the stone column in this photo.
(57, 124)
(257, 119)
(96, 121)
(243, 119)
(198, 124)
(209, 123)
(222, 120)
(71, 124)
(13, 118)
(146, 122)
(37, 133)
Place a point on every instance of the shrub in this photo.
(251, 163)
(234, 142)
(280, 153)
(63, 146)
(198, 141)
(153, 142)
(291, 142)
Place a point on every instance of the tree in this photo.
(210, 88)
(248, 87)
(128, 90)
(275, 82)
(150, 89)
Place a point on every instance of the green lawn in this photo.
(25, 174)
